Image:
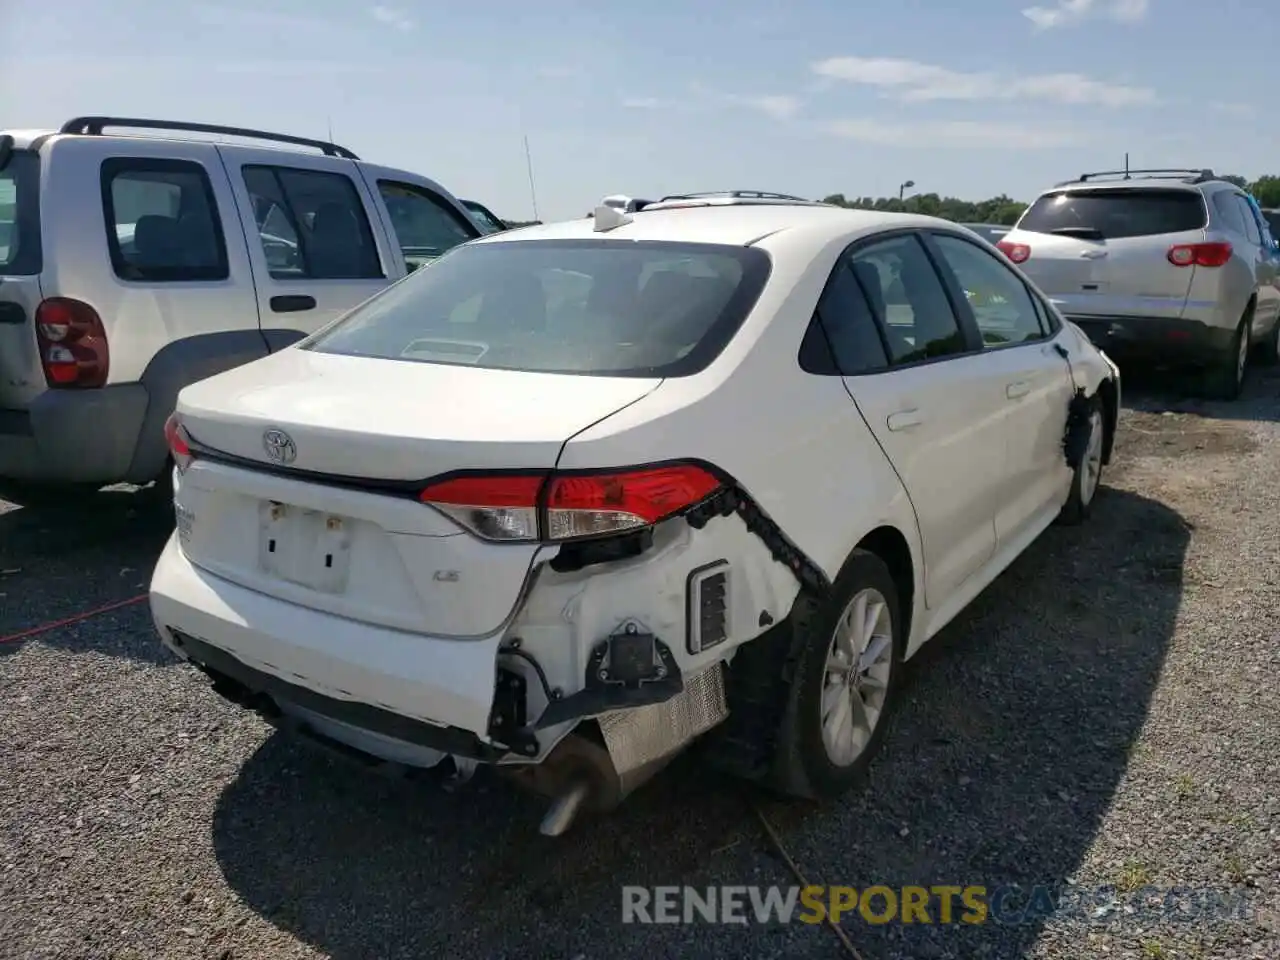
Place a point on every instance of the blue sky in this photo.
(965, 97)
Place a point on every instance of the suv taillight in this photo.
(1017, 252)
(1199, 254)
(72, 342)
(562, 506)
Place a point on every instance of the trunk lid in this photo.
(369, 555)
(21, 375)
(1103, 251)
(398, 420)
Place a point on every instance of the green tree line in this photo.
(1005, 210)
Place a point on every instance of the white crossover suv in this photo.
(576, 495)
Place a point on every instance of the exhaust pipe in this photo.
(605, 760)
(565, 809)
(577, 774)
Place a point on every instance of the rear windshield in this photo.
(19, 215)
(597, 307)
(1116, 213)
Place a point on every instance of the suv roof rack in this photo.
(735, 195)
(1187, 174)
(93, 126)
(674, 201)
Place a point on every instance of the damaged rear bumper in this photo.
(417, 688)
(636, 645)
(276, 699)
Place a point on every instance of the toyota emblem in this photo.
(279, 446)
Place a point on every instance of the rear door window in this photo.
(312, 224)
(20, 215)
(162, 221)
(843, 336)
(907, 298)
(1228, 208)
(598, 307)
(1251, 228)
(484, 217)
(1116, 213)
(424, 226)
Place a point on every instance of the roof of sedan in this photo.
(739, 224)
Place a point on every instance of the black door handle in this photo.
(293, 303)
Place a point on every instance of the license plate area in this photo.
(306, 547)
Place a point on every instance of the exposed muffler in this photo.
(603, 762)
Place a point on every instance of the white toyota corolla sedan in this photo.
(579, 494)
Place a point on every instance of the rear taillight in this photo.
(1017, 252)
(178, 442)
(568, 506)
(72, 342)
(1199, 254)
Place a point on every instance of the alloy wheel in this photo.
(856, 682)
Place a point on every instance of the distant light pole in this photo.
(903, 189)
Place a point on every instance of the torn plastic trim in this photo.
(734, 499)
(1075, 439)
(731, 498)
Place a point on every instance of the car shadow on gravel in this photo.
(1014, 733)
(57, 562)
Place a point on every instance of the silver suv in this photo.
(134, 263)
(1177, 266)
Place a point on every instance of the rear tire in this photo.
(1225, 379)
(847, 662)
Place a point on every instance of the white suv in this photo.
(131, 266)
(1176, 266)
(576, 495)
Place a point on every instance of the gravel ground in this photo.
(1104, 715)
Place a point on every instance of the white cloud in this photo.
(1067, 12)
(392, 17)
(642, 103)
(915, 81)
(952, 133)
(778, 106)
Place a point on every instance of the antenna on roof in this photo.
(1126, 163)
(528, 162)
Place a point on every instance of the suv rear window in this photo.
(595, 307)
(1116, 213)
(19, 215)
